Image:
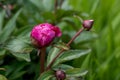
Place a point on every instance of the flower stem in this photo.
(75, 36)
(62, 50)
(55, 5)
(42, 60)
(49, 66)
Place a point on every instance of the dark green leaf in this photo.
(17, 75)
(65, 13)
(2, 14)
(46, 75)
(76, 72)
(85, 63)
(71, 22)
(2, 52)
(70, 55)
(74, 78)
(49, 16)
(25, 57)
(20, 48)
(62, 67)
(86, 37)
(9, 27)
(20, 45)
(24, 31)
(37, 3)
(53, 52)
(62, 45)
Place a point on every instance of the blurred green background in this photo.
(17, 17)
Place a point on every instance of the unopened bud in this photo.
(60, 75)
(87, 24)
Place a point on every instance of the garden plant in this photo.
(59, 40)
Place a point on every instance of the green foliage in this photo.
(76, 72)
(22, 48)
(63, 67)
(2, 13)
(46, 75)
(9, 27)
(2, 77)
(70, 55)
(103, 61)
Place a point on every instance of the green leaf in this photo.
(76, 72)
(86, 37)
(71, 22)
(85, 63)
(53, 52)
(9, 27)
(17, 75)
(62, 67)
(2, 69)
(24, 31)
(2, 77)
(2, 14)
(25, 57)
(49, 6)
(16, 70)
(62, 45)
(48, 16)
(74, 78)
(19, 45)
(65, 13)
(2, 52)
(38, 4)
(46, 75)
(70, 55)
(20, 48)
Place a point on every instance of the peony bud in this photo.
(60, 75)
(43, 34)
(87, 24)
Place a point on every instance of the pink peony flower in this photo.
(43, 34)
(87, 24)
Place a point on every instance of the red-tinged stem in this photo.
(56, 5)
(75, 36)
(42, 59)
(62, 50)
(49, 66)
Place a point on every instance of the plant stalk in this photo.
(55, 5)
(42, 59)
(62, 50)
